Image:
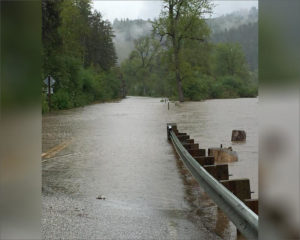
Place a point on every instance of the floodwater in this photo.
(120, 152)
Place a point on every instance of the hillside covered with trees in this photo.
(239, 27)
(191, 56)
(79, 53)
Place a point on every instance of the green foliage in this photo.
(246, 36)
(62, 99)
(238, 27)
(182, 21)
(78, 52)
(208, 71)
(230, 60)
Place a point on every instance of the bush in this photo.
(62, 100)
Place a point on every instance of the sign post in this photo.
(49, 81)
(49, 93)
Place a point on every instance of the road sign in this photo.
(52, 81)
(49, 81)
(46, 90)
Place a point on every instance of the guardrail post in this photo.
(197, 152)
(239, 187)
(205, 160)
(183, 137)
(223, 191)
(188, 141)
(252, 204)
(219, 172)
(191, 145)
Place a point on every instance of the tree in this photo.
(146, 49)
(230, 60)
(182, 20)
(100, 47)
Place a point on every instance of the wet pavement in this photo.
(120, 151)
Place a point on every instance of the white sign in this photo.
(51, 90)
(52, 81)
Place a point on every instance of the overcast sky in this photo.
(139, 9)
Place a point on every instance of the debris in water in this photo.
(101, 197)
(238, 136)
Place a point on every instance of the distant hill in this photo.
(233, 20)
(247, 36)
(240, 27)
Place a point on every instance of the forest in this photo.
(181, 55)
(216, 58)
(79, 53)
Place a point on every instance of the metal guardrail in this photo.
(243, 217)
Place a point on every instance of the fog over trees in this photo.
(238, 27)
(223, 65)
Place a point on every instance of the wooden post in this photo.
(183, 137)
(238, 135)
(252, 204)
(205, 160)
(188, 141)
(197, 152)
(180, 134)
(191, 145)
(219, 172)
(239, 187)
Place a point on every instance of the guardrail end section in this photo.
(170, 126)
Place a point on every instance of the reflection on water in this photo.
(121, 150)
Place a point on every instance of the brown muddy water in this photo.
(120, 151)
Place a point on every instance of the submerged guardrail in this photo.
(214, 180)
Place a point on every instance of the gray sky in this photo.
(138, 9)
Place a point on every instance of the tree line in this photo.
(78, 52)
(178, 60)
(246, 35)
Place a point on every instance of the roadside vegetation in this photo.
(78, 52)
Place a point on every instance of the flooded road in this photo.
(119, 151)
